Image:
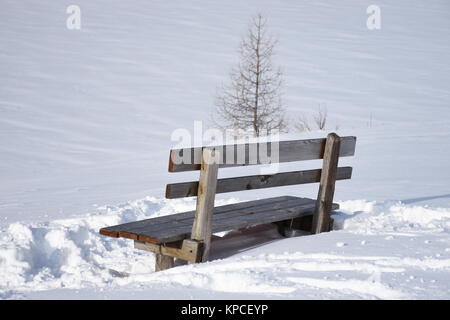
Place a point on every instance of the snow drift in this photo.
(70, 254)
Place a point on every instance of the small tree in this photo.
(252, 99)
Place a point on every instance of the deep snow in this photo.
(85, 125)
(380, 250)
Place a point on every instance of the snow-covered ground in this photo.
(380, 250)
(85, 125)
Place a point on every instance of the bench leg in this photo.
(163, 262)
(166, 253)
(202, 227)
(321, 221)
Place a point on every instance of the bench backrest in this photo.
(329, 149)
(289, 151)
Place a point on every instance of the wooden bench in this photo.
(187, 235)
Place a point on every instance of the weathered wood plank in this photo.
(187, 217)
(158, 225)
(240, 222)
(188, 250)
(160, 231)
(321, 219)
(202, 226)
(187, 159)
(189, 189)
(168, 230)
(230, 220)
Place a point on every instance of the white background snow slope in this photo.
(85, 123)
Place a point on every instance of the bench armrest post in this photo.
(321, 218)
(202, 227)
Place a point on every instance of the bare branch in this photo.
(321, 118)
(302, 124)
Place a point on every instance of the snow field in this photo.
(355, 261)
(86, 118)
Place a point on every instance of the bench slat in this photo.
(164, 221)
(294, 150)
(185, 218)
(243, 221)
(173, 228)
(189, 189)
(154, 226)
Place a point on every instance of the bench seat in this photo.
(178, 226)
